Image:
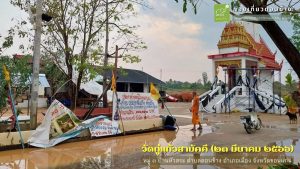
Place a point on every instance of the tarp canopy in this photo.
(94, 88)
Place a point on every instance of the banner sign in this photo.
(62, 120)
(135, 106)
(59, 124)
(104, 127)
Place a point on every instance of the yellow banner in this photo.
(113, 83)
(6, 73)
(154, 92)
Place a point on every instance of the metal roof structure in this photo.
(43, 82)
(135, 76)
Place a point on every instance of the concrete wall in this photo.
(146, 88)
(42, 103)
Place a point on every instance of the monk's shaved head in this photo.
(194, 93)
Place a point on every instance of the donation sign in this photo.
(135, 106)
(104, 127)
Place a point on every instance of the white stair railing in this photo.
(208, 95)
(219, 105)
(276, 100)
(211, 94)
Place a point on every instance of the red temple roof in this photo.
(18, 56)
(235, 35)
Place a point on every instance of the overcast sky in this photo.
(178, 43)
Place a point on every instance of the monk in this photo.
(195, 112)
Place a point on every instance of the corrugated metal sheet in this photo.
(43, 80)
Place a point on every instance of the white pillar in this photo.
(146, 88)
(243, 65)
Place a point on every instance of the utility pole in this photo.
(36, 65)
(105, 56)
(160, 73)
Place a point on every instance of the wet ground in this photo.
(221, 130)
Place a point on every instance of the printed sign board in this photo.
(104, 127)
(135, 106)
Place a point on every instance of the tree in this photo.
(288, 98)
(20, 71)
(55, 77)
(73, 38)
(296, 30)
(207, 86)
(192, 2)
(199, 81)
(282, 42)
(194, 86)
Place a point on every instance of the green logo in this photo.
(222, 13)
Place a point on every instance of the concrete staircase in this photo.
(42, 103)
(209, 106)
(241, 103)
(22, 102)
(267, 99)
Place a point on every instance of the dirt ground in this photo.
(222, 130)
(26, 112)
(23, 126)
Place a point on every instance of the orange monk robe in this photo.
(195, 110)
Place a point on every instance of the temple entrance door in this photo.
(231, 78)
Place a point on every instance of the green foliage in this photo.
(55, 77)
(178, 85)
(289, 79)
(283, 90)
(73, 39)
(19, 73)
(184, 6)
(75, 34)
(3, 92)
(235, 4)
(194, 4)
(296, 27)
(288, 98)
(290, 102)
